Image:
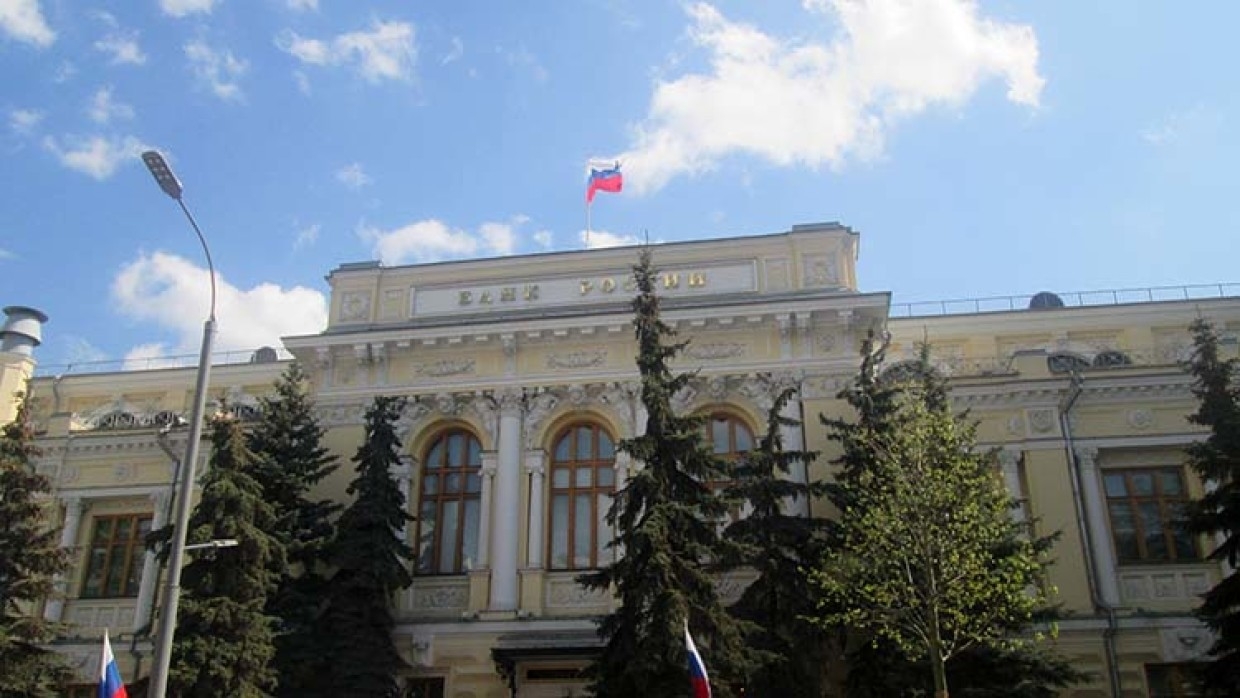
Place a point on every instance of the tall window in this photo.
(583, 478)
(114, 565)
(1146, 505)
(729, 438)
(449, 505)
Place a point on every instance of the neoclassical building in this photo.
(520, 379)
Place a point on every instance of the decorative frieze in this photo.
(445, 368)
(715, 351)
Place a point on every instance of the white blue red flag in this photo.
(698, 681)
(110, 685)
(606, 179)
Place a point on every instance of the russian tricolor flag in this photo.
(698, 681)
(608, 179)
(110, 685)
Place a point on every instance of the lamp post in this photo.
(172, 591)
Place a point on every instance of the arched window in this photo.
(729, 438)
(449, 505)
(583, 478)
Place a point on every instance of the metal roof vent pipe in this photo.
(23, 330)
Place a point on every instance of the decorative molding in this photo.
(1186, 644)
(538, 406)
(1140, 418)
(820, 270)
(568, 593)
(447, 595)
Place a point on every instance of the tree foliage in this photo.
(291, 460)
(925, 555)
(666, 529)
(30, 559)
(371, 560)
(1217, 461)
(224, 639)
(778, 545)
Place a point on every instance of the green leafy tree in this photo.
(371, 560)
(1217, 513)
(666, 527)
(224, 641)
(288, 443)
(925, 555)
(30, 558)
(793, 652)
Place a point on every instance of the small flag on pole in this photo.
(110, 684)
(606, 179)
(698, 681)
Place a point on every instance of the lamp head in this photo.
(162, 173)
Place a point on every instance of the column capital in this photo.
(1087, 456)
(74, 504)
(1009, 458)
(511, 401)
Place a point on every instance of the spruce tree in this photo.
(1217, 461)
(371, 560)
(666, 519)
(792, 652)
(925, 562)
(224, 640)
(288, 443)
(30, 558)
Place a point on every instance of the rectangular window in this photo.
(1146, 506)
(114, 563)
(1172, 680)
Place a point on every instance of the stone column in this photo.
(505, 531)
(535, 466)
(1009, 464)
(1096, 520)
(160, 500)
(55, 606)
(793, 437)
(490, 462)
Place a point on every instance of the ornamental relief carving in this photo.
(446, 367)
(586, 358)
(440, 597)
(567, 592)
(716, 351)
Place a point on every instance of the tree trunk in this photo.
(938, 668)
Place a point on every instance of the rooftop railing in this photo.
(1074, 299)
(219, 358)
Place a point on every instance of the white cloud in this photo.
(303, 4)
(103, 108)
(522, 59)
(431, 240)
(6, 254)
(353, 176)
(809, 104)
(174, 294)
(454, 53)
(1183, 125)
(307, 236)
(79, 351)
(122, 47)
(387, 52)
(598, 239)
(64, 72)
(543, 238)
(95, 156)
(24, 121)
(303, 82)
(23, 20)
(218, 69)
(181, 8)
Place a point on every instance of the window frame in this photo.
(1167, 515)
(734, 453)
(1179, 676)
(596, 463)
(442, 471)
(133, 548)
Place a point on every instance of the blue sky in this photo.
(980, 148)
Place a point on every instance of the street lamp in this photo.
(172, 591)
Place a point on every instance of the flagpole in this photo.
(588, 209)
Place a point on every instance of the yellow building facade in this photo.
(520, 379)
